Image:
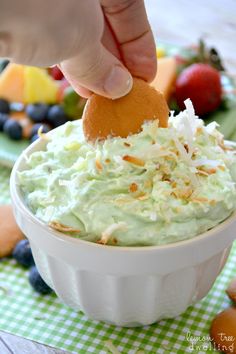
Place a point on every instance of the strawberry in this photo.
(56, 73)
(201, 83)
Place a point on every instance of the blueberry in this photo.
(4, 106)
(56, 116)
(33, 138)
(13, 129)
(3, 118)
(3, 64)
(46, 128)
(37, 282)
(37, 112)
(23, 254)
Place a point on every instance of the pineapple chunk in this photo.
(39, 86)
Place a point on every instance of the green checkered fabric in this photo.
(44, 319)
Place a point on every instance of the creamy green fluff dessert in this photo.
(159, 186)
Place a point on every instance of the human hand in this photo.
(99, 45)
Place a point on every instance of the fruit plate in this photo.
(225, 116)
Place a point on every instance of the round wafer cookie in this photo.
(104, 117)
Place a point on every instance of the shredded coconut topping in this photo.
(62, 228)
(159, 185)
(42, 135)
(134, 160)
(110, 230)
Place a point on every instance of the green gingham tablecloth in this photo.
(44, 319)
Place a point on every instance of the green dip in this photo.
(160, 186)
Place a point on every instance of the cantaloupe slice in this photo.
(26, 84)
(166, 76)
(12, 83)
(39, 86)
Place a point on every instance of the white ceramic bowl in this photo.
(126, 286)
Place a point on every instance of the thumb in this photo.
(99, 71)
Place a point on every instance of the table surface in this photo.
(183, 24)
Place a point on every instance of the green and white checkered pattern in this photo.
(44, 319)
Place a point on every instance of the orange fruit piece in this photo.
(39, 86)
(27, 84)
(104, 117)
(12, 83)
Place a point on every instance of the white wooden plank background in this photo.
(184, 21)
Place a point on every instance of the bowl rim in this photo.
(17, 199)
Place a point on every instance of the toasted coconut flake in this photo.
(202, 173)
(110, 230)
(166, 178)
(114, 241)
(133, 187)
(134, 160)
(183, 153)
(98, 165)
(142, 196)
(200, 200)
(107, 161)
(170, 158)
(182, 193)
(42, 135)
(100, 242)
(186, 148)
(127, 144)
(209, 171)
(199, 130)
(212, 202)
(148, 184)
(222, 168)
(224, 147)
(62, 228)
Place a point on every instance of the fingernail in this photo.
(118, 83)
